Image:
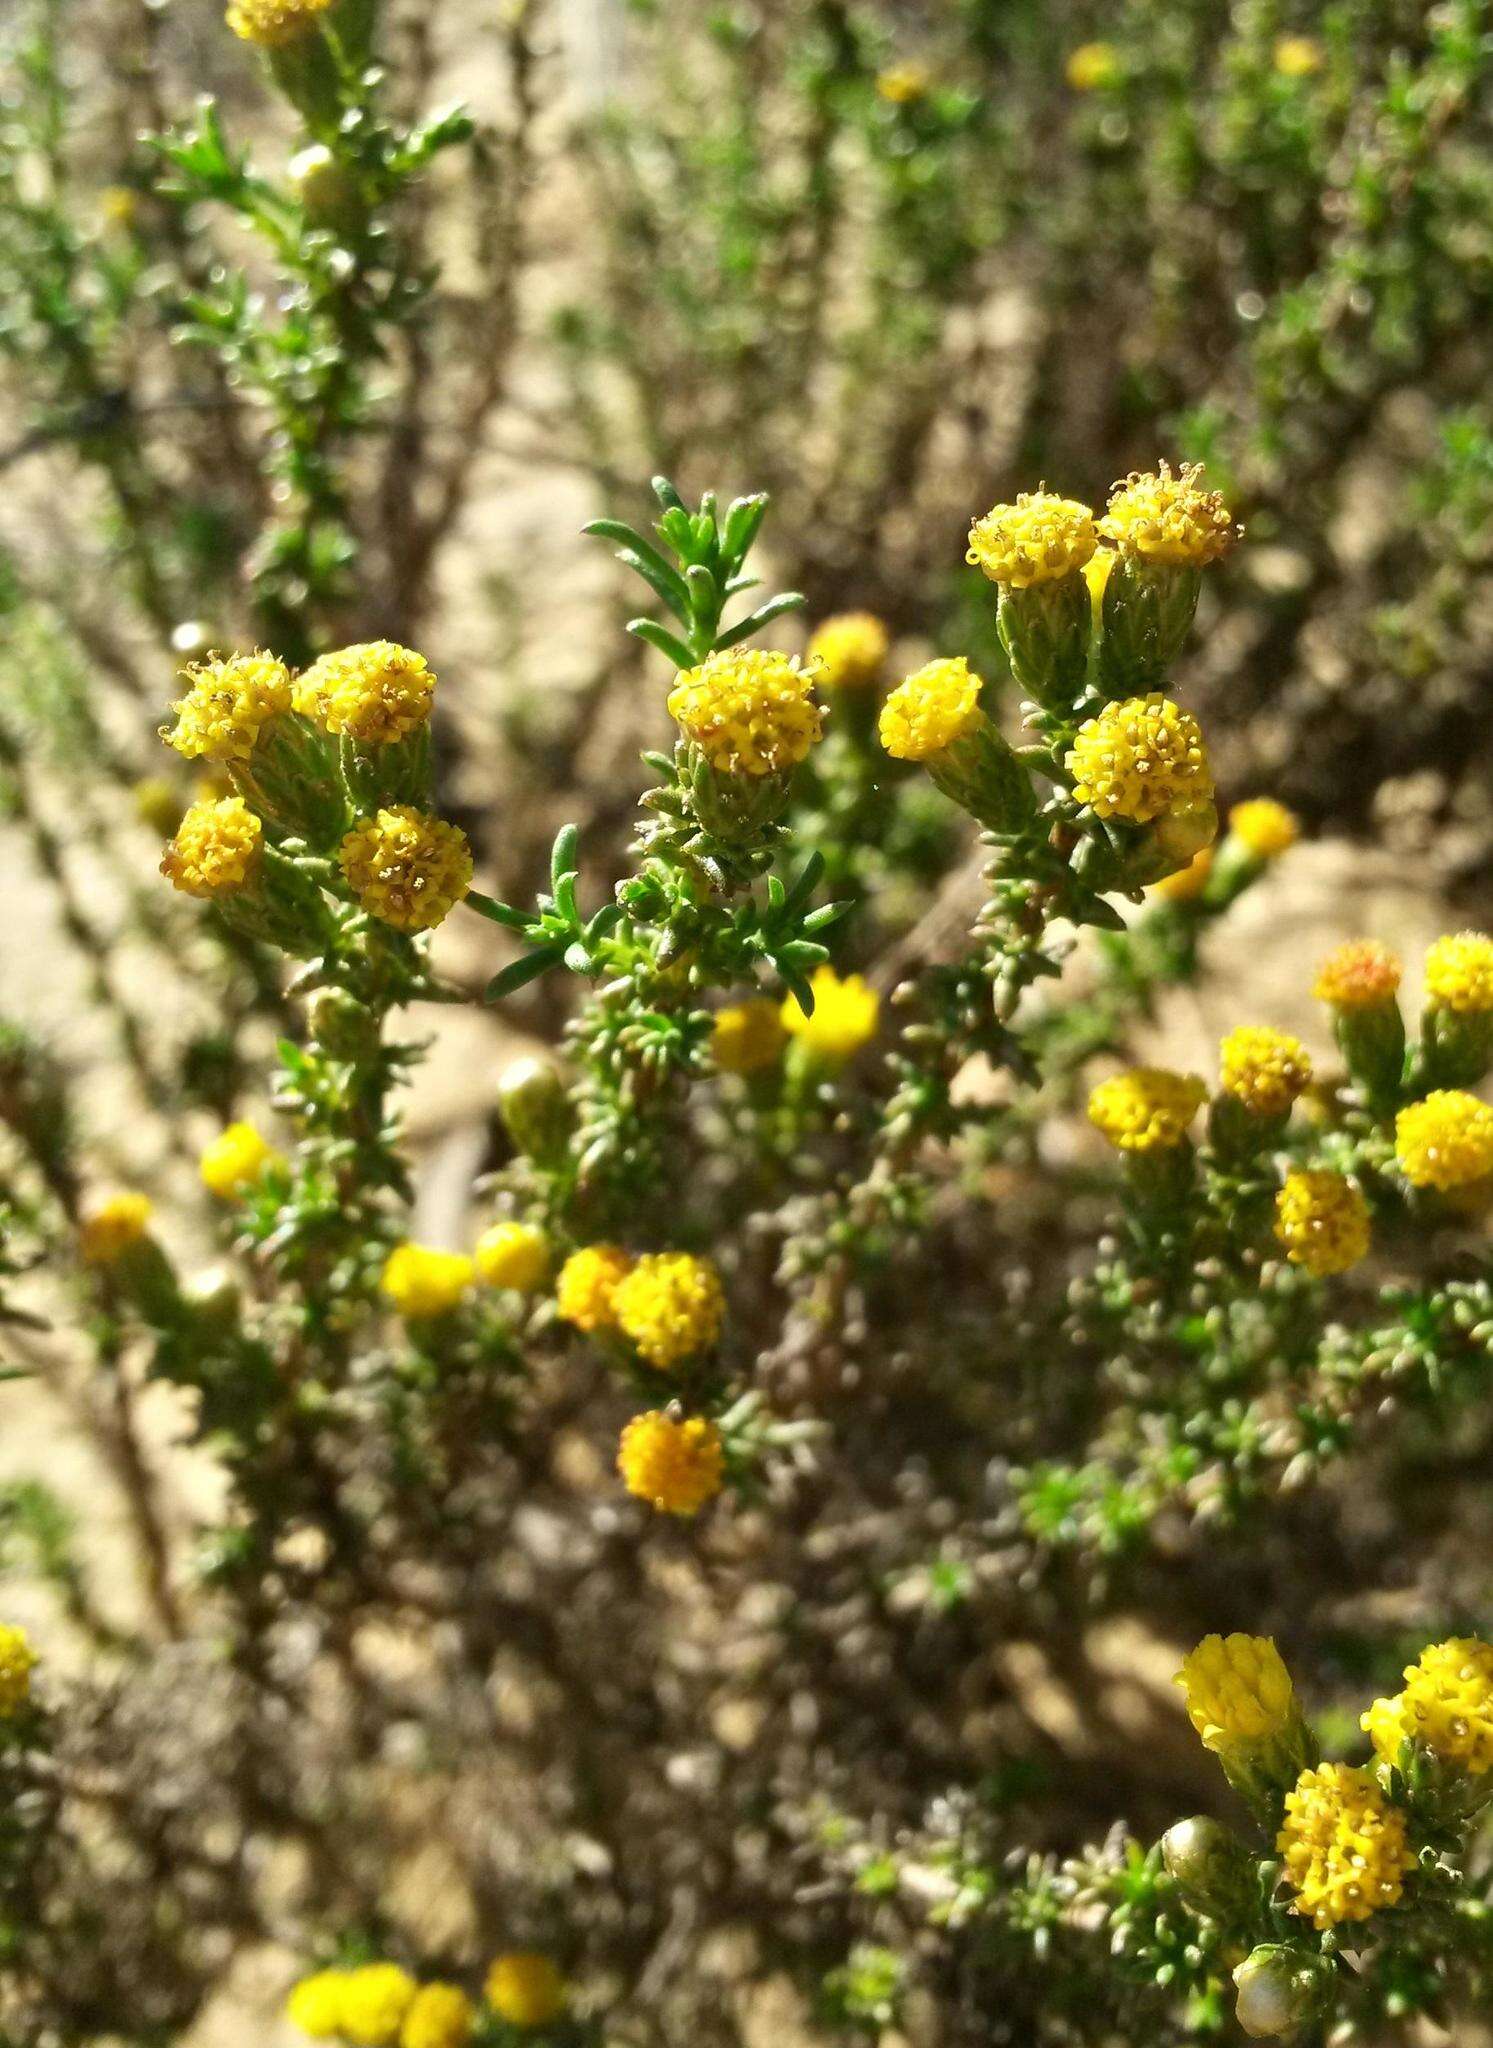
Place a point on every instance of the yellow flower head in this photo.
(1361, 974)
(1447, 1704)
(513, 1255)
(750, 711)
(216, 849)
(932, 709)
(670, 1306)
(1138, 758)
(902, 83)
(1264, 1069)
(111, 1227)
(422, 1282)
(1459, 973)
(746, 1037)
(373, 694)
(1322, 1220)
(440, 2016)
(1147, 1109)
(1445, 1141)
(1344, 1846)
(588, 1281)
(235, 1160)
(228, 699)
(849, 649)
(1169, 520)
(1237, 1689)
(1092, 66)
(1188, 883)
(406, 867)
(1037, 540)
(272, 23)
(1263, 827)
(525, 1989)
(374, 2002)
(675, 1466)
(17, 1662)
(843, 1020)
(314, 2006)
(1297, 56)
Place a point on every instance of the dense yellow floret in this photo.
(314, 2006)
(1459, 973)
(525, 1989)
(406, 867)
(375, 2000)
(670, 1307)
(1187, 884)
(373, 693)
(1147, 1109)
(17, 1662)
(1139, 758)
(1361, 974)
(273, 23)
(1447, 1704)
(843, 1018)
(216, 849)
(930, 710)
(902, 83)
(440, 2016)
(675, 1466)
(1168, 520)
(746, 1037)
(1237, 1690)
(1092, 66)
(1264, 828)
(421, 1282)
(1264, 1069)
(1445, 1141)
(236, 1159)
(1297, 56)
(1344, 1846)
(112, 1226)
(228, 700)
(515, 1255)
(749, 710)
(1322, 1220)
(1037, 540)
(849, 650)
(587, 1286)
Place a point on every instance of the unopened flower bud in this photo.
(534, 1107)
(341, 1025)
(1280, 1989)
(1209, 1865)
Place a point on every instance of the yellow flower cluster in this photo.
(273, 23)
(749, 710)
(1139, 758)
(1459, 973)
(525, 1989)
(1037, 540)
(111, 1227)
(1344, 1846)
(675, 1466)
(670, 1307)
(421, 1282)
(513, 1255)
(1264, 828)
(843, 1017)
(1446, 1140)
(900, 84)
(1361, 974)
(235, 1160)
(374, 2002)
(588, 1282)
(1147, 1109)
(1297, 56)
(227, 702)
(746, 1037)
(17, 1662)
(930, 710)
(1168, 520)
(849, 650)
(1188, 883)
(373, 694)
(440, 2016)
(1237, 1690)
(380, 2004)
(1092, 66)
(1322, 1220)
(1447, 1704)
(216, 849)
(1264, 1069)
(406, 867)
